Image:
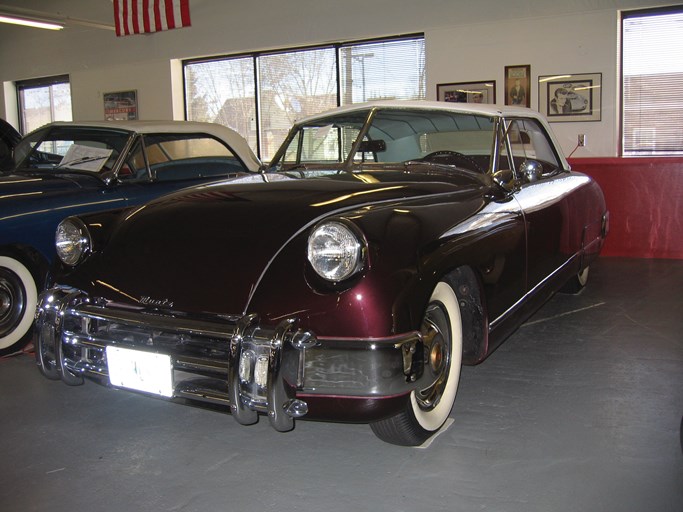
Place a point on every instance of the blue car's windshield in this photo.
(60, 149)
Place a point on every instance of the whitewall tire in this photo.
(429, 407)
(18, 300)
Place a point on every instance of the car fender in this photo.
(402, 266)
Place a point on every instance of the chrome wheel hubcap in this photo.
(12, 298)
(437, 356)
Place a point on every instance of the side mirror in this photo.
(531, 170)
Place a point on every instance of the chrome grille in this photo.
(198, 346)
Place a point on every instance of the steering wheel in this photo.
(452, 157)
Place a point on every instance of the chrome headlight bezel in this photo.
(336, 251)
(72, 241)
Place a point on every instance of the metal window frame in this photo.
(336, 46)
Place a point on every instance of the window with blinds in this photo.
(382, 70)
(43, 100)
(261, 95)
(223, 91)
(293, 85)
(652, 82)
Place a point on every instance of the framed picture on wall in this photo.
(467, 92)
(570, 97)
(120, 106)
(517, 85)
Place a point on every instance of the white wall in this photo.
(577, 43)
(151, 79)
(466, 41)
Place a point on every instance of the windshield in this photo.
(392, 136)
(64, 149)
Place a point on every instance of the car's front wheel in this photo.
(18, 299)
(429, 407)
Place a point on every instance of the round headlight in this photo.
(335, 252)
(72, 241)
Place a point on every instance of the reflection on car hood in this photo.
(24, 186)
(219, 238)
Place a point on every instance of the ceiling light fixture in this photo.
(30, 23)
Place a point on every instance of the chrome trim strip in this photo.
(150, 321)
(540, 194)
(184, 363)
(491, 215)
(515, 306)
(192, 390)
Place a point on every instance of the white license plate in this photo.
(142, 371)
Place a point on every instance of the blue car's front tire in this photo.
(18, 300)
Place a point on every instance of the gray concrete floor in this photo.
(580, 410)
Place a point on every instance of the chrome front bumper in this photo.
(227, 360)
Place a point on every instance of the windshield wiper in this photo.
(79, 161)
(427, 163)
(443, 165)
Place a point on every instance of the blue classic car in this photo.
(66, 169)
(388, 244)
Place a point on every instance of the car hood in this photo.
(206, 248)
(22, 194)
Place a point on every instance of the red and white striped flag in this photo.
(146, 16)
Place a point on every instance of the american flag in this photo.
(145, 16)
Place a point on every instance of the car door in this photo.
(545, 199)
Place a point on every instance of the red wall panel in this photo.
(645, 200)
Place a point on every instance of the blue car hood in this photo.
(31, 205)
(17, 184)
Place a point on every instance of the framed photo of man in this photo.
(517, 83)
(563, 98)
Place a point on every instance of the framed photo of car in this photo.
(120, 106)
(467, 92)
(570, 97)
(517, 85)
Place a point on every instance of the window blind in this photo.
(223, 91)
(652, 82)
(293, 85)
(383, 70)
(260, 95)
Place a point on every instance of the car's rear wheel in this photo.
(577, 282)
(18, 300)
(429, 407)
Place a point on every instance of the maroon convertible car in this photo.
(387, 244)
